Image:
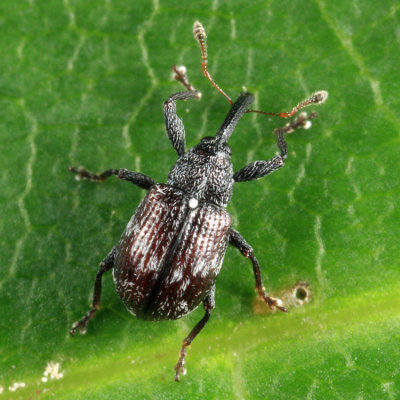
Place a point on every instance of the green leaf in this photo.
(82, 83)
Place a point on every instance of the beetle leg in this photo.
(258, 169)
(237, 240)
(105, 266)
(141, 180)
(209, 304)
(173, 124)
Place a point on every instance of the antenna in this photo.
(201, 36)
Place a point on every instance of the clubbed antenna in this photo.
(316, 98)
(179, 74)
(302, 121)
(200, 35)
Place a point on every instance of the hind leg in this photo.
(209, 304)
(105, 266)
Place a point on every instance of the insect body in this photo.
(170, 254)
(172, 249)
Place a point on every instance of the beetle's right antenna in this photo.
(200, 35)
(316, 98)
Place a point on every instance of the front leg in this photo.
(173, 124)
(138, 179)
(237, 240)
(258, 169)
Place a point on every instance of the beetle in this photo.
(170, 253)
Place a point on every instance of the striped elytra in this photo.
(170, 254)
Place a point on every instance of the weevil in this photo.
(170, 253)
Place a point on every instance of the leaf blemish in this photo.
(301, 293)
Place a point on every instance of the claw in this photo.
(180, 365)
(78, 326)
(271, 301)
(277, 303)
(81, 325)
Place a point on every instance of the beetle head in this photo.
(211, 145)
(205, 172)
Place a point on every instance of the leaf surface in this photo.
(82, 83)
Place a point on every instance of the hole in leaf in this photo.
(301, 293)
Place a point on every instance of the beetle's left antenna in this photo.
(200, 35)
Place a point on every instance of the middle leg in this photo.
(137, 178)
(258, 169)
(105, 266)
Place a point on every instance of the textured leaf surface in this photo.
(82, 83)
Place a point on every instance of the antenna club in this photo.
(199, 31)
(319, 97)
(200, 35)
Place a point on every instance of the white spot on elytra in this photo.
(193, 203)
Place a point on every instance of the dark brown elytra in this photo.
(170, 254)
